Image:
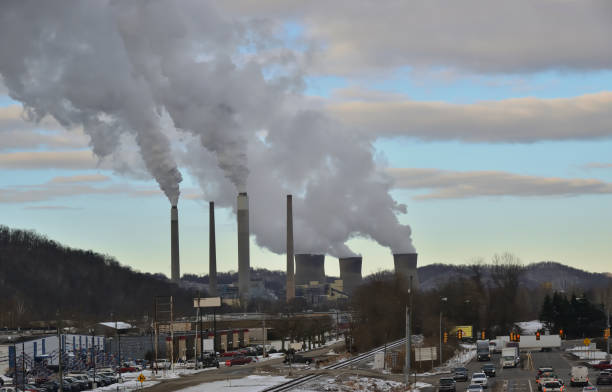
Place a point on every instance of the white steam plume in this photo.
(233, 90)
(67, 59)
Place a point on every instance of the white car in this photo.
(475, 388)
(552, 386)
(480, 379)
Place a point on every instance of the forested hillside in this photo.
(41, 279)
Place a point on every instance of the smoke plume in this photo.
(229, 86)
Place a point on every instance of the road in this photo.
(523, 380)
(270, 367)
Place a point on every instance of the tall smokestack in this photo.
(290, 270)
(244, 273)
(406, 267)
(212, 252)
(174, 245)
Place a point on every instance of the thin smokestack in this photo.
(212, 252)
(406, 267)
(244, 273)
(174, 245)
(290, 269)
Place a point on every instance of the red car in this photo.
(603, 365)
(127, 369)
(238, 360)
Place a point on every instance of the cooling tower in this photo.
(290, 269)
(406, 266)
(350, 273)
(243, 245)
(212, 252)
(174, 245)
(308, 268)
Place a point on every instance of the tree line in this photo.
(42, 280)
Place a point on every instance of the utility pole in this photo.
(608, 340)
(93, 354)
(264, 335)
(59, 345)
(407, 357)
(440, 336)
(23, 373)
(442, 300)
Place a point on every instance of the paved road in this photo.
(523, 380)
(273, 366)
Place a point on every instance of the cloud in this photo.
(598, 165)
(35, 160)
(446, 184)
(50, 207)
(12, 118)
(479, 36)
(517, 120)
(80, 179)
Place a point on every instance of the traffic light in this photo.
(561, 333)
(538, 335)
(518, 337)
(512, 336)
(459, 334)
(482, 335)
(445, 337)
(607, 333)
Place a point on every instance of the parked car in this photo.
(460, 374)
(238, 360)
(10, 389)
(447, 384)
(604, 378)
(74, 385)
(50, 386)
(210, 360)
(297, 358)
(552, 386)
(161, 364)
(475, 388)
(603, 365)
(489, 369)
(82, 378)
(480, 379)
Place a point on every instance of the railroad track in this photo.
(287, 386)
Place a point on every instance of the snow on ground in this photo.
(355, 383)
(246, 384)
(584, 352)
(530, 327)
(461, 357)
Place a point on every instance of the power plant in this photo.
(406, 267)
(350, 273)
(244, 272)
(175, 268)
(212, 252)
(290, 269)
(309, 268)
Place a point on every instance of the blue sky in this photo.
(124, 216)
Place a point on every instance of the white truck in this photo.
(546, 342)
(510, 357)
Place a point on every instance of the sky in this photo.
(457, 131)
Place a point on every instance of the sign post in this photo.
(142, 379)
